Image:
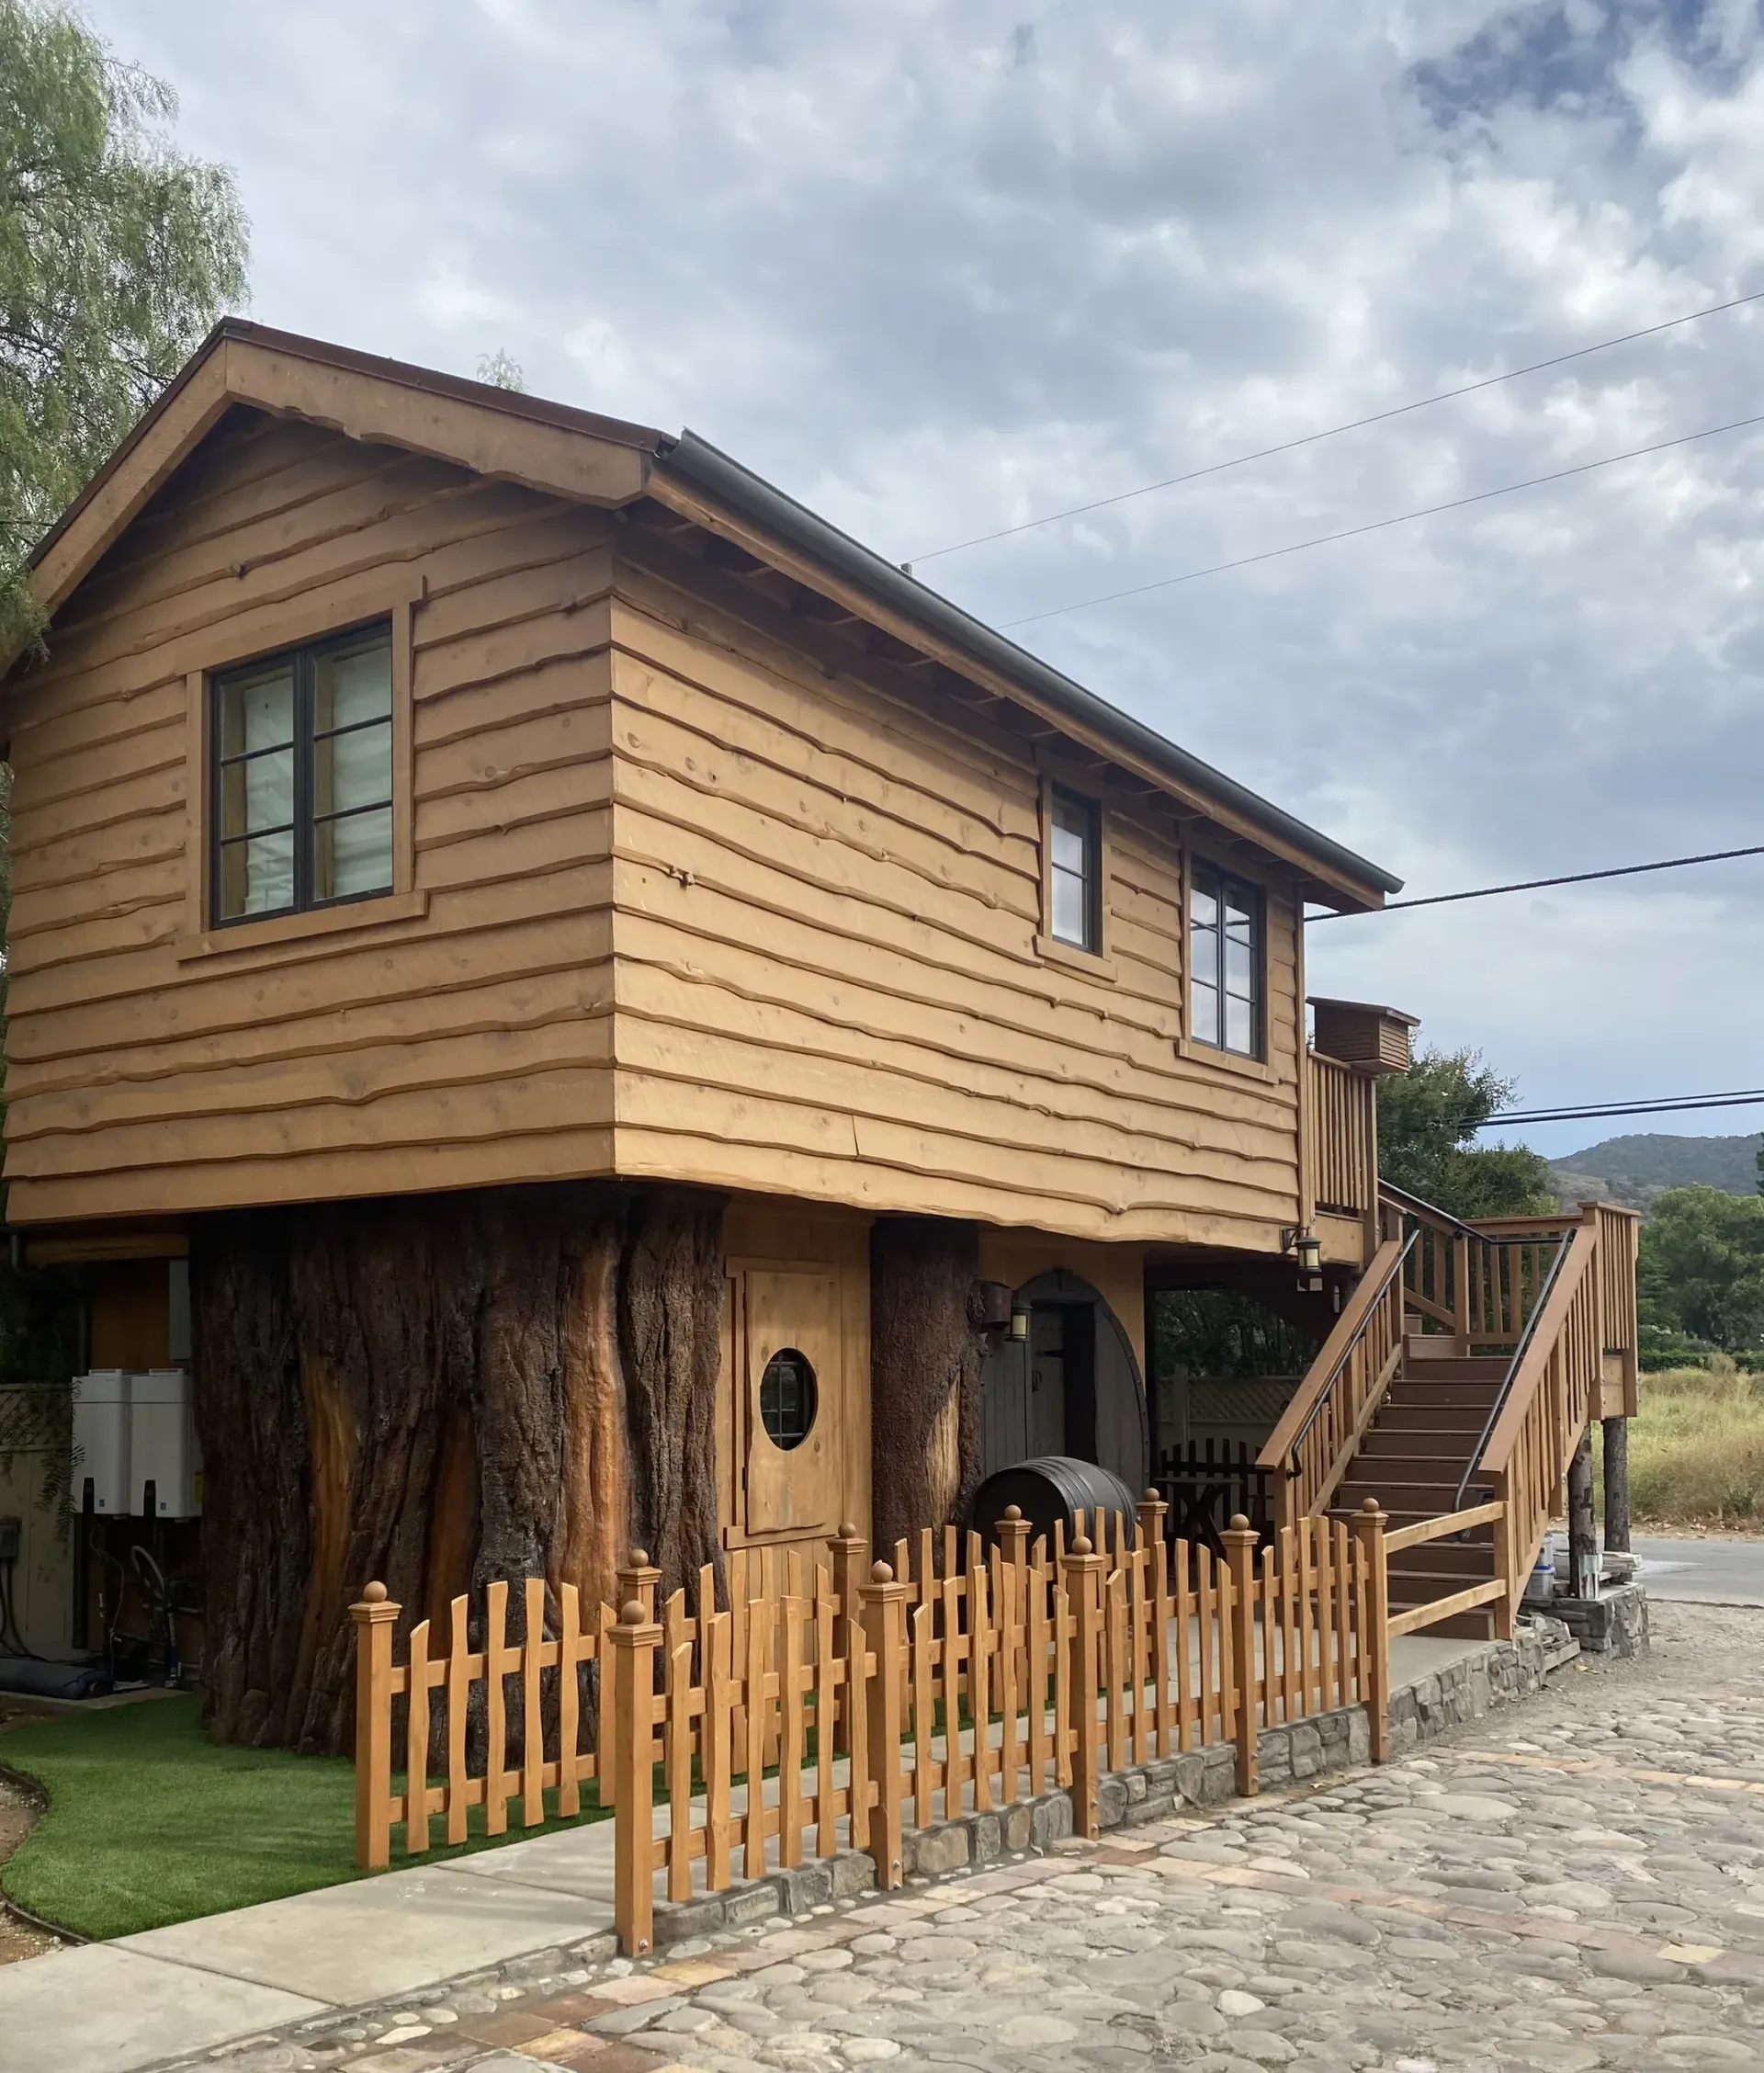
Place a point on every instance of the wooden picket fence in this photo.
(842, 1703)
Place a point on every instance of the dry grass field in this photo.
(1696, 1449)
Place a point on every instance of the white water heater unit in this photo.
(165, 1465)
(101, 1436)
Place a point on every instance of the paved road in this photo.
(1573, 1886)
(1717, 1571)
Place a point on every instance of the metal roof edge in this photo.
(710, 469)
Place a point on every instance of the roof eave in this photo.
(1354, 879)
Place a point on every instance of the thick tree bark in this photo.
(436, 1392)
(670, 1338)
(925, 1356)
(252, 1422)
(1614, 1433)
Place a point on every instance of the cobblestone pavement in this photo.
(1577, 1884)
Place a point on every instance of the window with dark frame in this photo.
(1225, 954)
(300, 777)
(1074, 870)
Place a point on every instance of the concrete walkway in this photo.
(132, 2003)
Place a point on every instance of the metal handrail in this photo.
(1512, 1375)
(1393, 1274)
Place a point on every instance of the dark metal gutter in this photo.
(697, 462)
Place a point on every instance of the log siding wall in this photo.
(465, 1040)
(824, 897)
(827, 984)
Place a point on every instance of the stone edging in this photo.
(1288, 1755)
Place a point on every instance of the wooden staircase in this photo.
(1418, 1461)
(1452, 1394)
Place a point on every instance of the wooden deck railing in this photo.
(1308, 1452)
(849, 1704)
(1340, 1143)
(1477, 1281)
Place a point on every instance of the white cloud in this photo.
(940, 267)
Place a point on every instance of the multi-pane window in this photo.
(1225, 962)
(1074, 871)
(302, 776)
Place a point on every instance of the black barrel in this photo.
(1049, 1491)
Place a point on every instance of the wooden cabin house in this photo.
(640, 1021)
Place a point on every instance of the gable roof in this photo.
(559, 450)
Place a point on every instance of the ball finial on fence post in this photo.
(373, 1594)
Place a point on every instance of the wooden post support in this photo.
(639, 1578)
(883, 1631)
(373, 1615)
(1506, 1608)
(1082, 1573)
(1614, 1433)
(1369, 1527)
(1583, 1537)
(633, 1642)
(1151, 1513)
(1461, 1290)
(851, 1559)
(1239, 1539)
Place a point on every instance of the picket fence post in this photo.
(373, 1615)
(1081, 1574)
(1239, 1539)
(848, 1549)
(634, 1641)
(883, 1633)
(1374, 1645)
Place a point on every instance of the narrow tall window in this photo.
(1074, 871)
(301, 778)
(1224, 962)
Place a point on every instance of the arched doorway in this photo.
(1071, 1386)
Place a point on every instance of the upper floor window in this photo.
(301, 776)
(1074, 870)
(1225, 952)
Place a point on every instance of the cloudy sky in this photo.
(939, 266)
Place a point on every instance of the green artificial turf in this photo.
(149, 1822)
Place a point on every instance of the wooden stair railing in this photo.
(1481, 1281)
(1308, 1452)
(1554, 1386)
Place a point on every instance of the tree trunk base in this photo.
(436, 1392)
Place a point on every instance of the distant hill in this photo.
(1635, 1172)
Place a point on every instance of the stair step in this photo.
(1463, 1368)
(1444, 1418)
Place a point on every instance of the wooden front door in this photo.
(790, 1399)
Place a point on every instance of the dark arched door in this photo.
(1071, 1386)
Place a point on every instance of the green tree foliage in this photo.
(1429, 1119)
(117, 254)
(1218, 1334)
(1702, 1268)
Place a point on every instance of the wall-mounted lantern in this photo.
(1307, 1249)
(1020, 1323)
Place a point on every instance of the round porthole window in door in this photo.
(787, 1399)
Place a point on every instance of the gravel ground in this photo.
(1574, 1884)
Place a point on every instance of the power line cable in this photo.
(1536, 885)
(1672, 1104)
(1333, 432)
(1381, 525)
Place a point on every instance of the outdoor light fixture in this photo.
(1020, 1323)
(1307, 1249)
